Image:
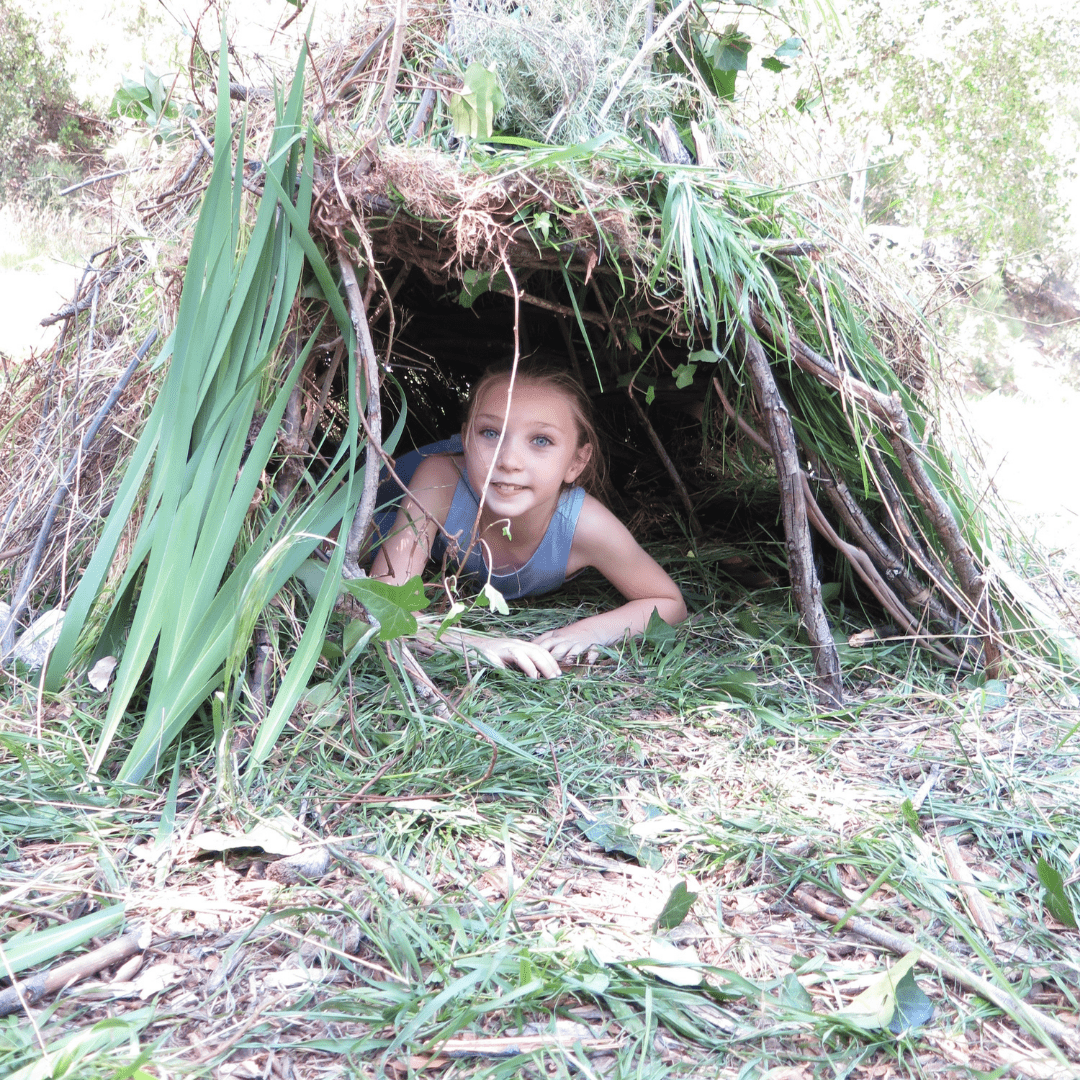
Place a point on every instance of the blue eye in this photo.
(488, 433)
(543, 440)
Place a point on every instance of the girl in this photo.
(511, 497)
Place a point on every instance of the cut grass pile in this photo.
(466, 916)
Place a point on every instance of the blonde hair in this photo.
(547, 372)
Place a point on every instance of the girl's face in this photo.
(539, 454)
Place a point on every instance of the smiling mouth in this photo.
(507, 489)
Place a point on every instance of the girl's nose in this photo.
(509, 457)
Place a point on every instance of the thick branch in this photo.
(804, 579)
(1005, 1000)
(35, 988)
(373, 408)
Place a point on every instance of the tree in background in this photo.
(967, 113)
(39, 118)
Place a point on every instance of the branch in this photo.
(1008, 1002)
(395, 65)
(373, 408)
(23, 994)
(804, 578)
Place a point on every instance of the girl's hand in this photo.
(570, 643)
(531, 658)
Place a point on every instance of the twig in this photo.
(561, 309)
(395, 66)
(902, 945)
(186, 175)
(109, 176)
(104, 278)
(658, 446)
(646, 50)
(22, 593)
(204, 142)
(26, 993)
(982, 912)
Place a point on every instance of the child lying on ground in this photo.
(511, 496)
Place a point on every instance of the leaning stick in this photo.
(669, 465)
(888, 409)
(395, 66)
(29, 991)
(366, 510)
(859, 559)
(1013, 1006)
(805, 584)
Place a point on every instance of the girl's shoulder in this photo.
(599, 537)
(434, 482)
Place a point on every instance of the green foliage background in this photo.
(35, 106)
(974, 101)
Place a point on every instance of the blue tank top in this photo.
(545, 569)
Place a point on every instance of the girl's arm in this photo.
(405, 553)
(603, 541)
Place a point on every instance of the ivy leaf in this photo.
(730, 51)
(1056, 899)
(770, 63)
(491, 597)
(703, 356)
(659, 633)
(457, 609)
(676, 908)
(650, 395)
(790, 49)
(684, 375)
(795, 996)
(473, 108)
(392, 605)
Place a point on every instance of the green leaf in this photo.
(659, 633)
(612, 835)
(1056, 900)
(491, 597)
(795, 996)
(770, 63)
(729, 52)
(790, 49)
(910, 816)
(453, 616)
(650, 394)
(473, 108)
(676, 908)
(913, 1007)
(684, 375)
(703, 356)
(392, 605)
(876, 1005)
